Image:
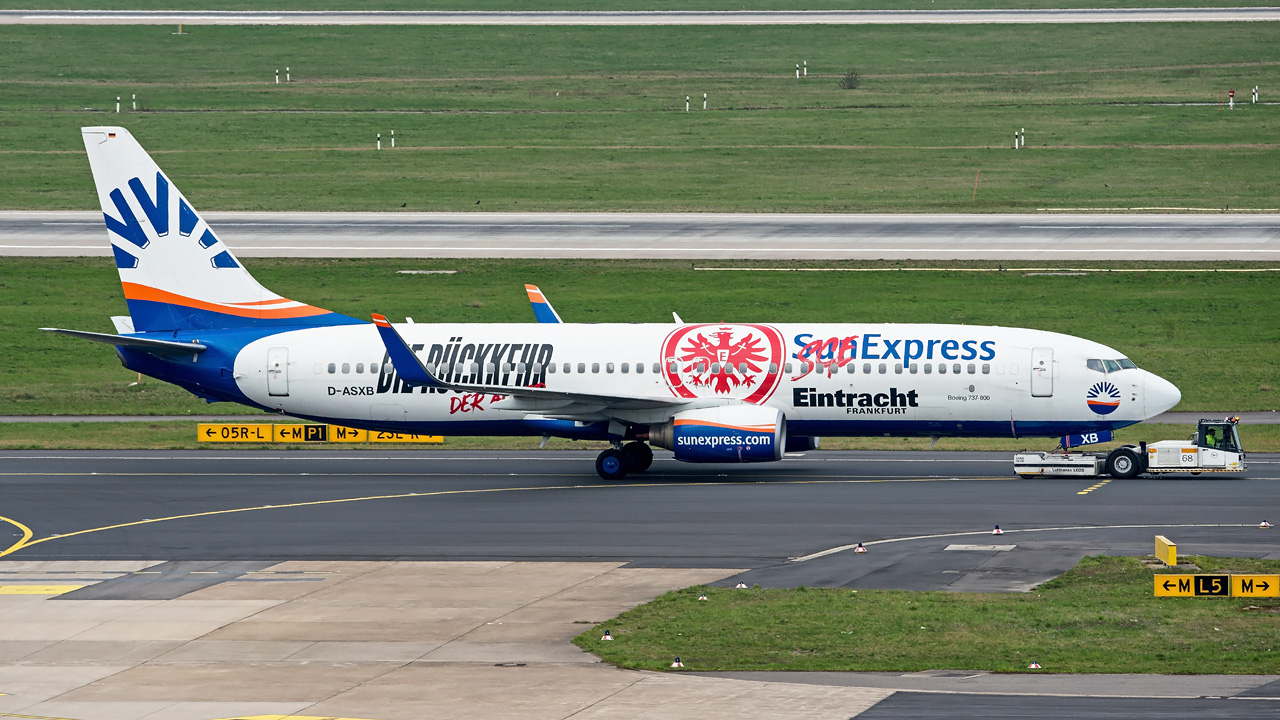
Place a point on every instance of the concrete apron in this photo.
(378, 640)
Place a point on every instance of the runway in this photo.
(781, 17)
(1032, 239)
(389, 585)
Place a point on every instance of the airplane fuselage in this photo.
(827, 379)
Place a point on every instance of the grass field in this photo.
(180, 435)
(601, 5)
(1212, 334)
(1100, 617)
(592, 118)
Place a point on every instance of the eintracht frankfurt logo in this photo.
(723, 361)
(1103, 398)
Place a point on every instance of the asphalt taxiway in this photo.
(188, 585)
(720, 237)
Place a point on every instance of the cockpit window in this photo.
(1127, 364)
(1095, 364)
(1112, 365)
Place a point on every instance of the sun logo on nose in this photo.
(1103, 398)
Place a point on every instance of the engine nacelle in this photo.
(733, 433)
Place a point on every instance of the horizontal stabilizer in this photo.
(158, 347)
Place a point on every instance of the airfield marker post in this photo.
(806, 68)
(1024, 137)
(277, 76)
(117, 103)
(704, 101)
(686, 103)
(1231, 99)
(1015, 139)
(135, 101)
(379, 141)
(287, 75)
(393, 139)
(797, 71)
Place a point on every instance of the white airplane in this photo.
(709, 392)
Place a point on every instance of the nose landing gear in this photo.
(615, 463)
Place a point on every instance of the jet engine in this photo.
(732, 433)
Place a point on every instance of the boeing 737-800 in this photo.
(709, 392)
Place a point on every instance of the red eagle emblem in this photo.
(736, 361)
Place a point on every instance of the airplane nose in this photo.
(1160, 395)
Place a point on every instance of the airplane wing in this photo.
(532, 399)
(542, 309)
(158, 347)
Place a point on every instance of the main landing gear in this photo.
(615, 463)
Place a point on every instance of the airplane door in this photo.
(278, 371)
(1041, 372)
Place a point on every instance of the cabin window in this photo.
(375, 367)
(551, 369)
(897, 368)
(702, 367)
(773, 368)
(883, 368)
(999, 368)
(986, 368)
(608, 367)
(715, 368)
(536, 368)
(657, 368)
(332, 368)
(359, 368)
(460, 368)
(915, 369)
(567, 368)
(787, 368)
(595, 367)
(521, 367)
(928, 368)
(973, 369)
(626, 368)
(346, 368)
(582, 368)
(639, 368)
(489, 368)
(1013, 368)
(672, 367)
(955, 368)
(866, 368)
(942, 368)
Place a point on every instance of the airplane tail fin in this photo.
(177, 275)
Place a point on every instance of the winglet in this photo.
(407, 365)
(542, 309)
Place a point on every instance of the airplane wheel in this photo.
(1123, 464)
(1025, 476)
(611, 465)
(637, 456)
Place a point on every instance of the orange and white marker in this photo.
(677, 663)
(860, 549)
(739, 586)
(1264, 525)
(1034, 665)
(703, 596)
(997, 531)
(607, 636)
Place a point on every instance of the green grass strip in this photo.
(1100, 617)
(1213, 334)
